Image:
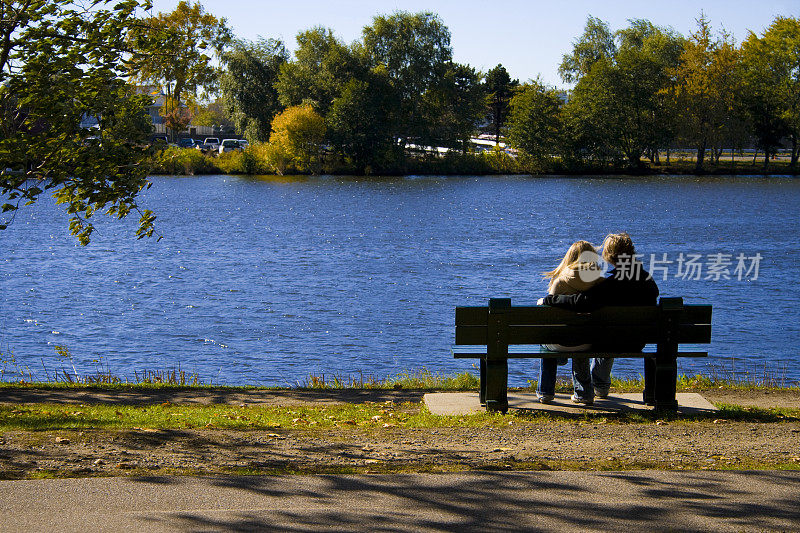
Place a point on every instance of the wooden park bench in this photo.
(500, 332)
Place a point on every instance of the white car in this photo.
(210, 144)
(229, 145)
(243, 143)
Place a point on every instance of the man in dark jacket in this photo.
(627, 284)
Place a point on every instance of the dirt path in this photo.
(568, 443)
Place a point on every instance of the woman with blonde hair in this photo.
(578, 271)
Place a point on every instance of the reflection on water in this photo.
(264, 280)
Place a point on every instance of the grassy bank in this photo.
(420, 379)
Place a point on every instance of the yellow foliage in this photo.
(297, 137)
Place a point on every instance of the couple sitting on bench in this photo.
(578, 284)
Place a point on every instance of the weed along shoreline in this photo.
(77, 430)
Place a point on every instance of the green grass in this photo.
(369, 416)
(410, 379)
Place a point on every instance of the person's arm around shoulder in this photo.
(582, 301)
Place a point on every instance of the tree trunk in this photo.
(755, 157)
(795, 152)
(766, 159)
(667, 156)
(701, 155)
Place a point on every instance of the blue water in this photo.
(264, 281)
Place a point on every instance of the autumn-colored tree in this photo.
(705, 89)
(298, 133)
(177, 49)
(176, 115)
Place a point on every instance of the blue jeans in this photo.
(586, 376)
(601, 372)
(547, 375)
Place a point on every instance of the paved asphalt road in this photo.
(482, 501)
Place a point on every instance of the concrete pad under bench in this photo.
(465, 403)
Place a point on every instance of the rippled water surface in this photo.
(266, 281)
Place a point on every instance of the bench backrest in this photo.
(669, 322)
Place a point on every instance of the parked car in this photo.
(229, 145)
(188, 142)
(243, 143)
(93, 140)
(160, 140)
(210, 144)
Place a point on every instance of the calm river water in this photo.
(264, 281)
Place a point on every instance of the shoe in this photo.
(545, 398)
(601, 393)
(584, 401)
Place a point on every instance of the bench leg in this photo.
(497, 385)
(666, 377)
(483, 381)
(649, 395)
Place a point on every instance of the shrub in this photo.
(230, 162)
(187, 161)
(275, 157)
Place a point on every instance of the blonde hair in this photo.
(571, 259)
(617, 244)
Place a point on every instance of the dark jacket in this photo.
(635, 288)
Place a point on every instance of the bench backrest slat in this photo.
(549, 325)
(479, 316)
(563, 334)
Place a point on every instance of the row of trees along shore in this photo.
(393, 101)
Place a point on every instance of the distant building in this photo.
(159, 98)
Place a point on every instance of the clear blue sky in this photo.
(527, 37)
